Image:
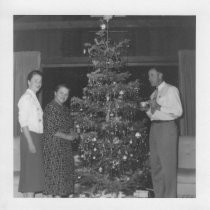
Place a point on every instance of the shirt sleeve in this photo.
(24, 111)
(172, 106)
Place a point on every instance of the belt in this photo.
(162, 121)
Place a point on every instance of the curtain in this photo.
(24, 62)
(187, 90)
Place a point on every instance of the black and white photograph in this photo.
(104, 104)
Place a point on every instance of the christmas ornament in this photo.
(140, 172)
(95, 63)
(124, 157)
(121, 92)
(116, 140)
(111, 115)
(137, 135)
(103, 26)
(78, 128)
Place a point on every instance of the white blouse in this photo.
(30, 112)
(169, 100)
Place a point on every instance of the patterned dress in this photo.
(57, 152)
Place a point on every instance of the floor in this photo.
(19, 195)
(180, 188)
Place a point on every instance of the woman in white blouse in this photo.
(31, 122)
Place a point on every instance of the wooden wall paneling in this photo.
(115, 23)
(152, 38)
(155, 42)
(142, 41)
(71, 43)
(132, 61)
(54, 43)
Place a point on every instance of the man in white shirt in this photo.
(165, 107)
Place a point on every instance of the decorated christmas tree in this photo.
(114, 145)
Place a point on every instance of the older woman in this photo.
(31, 122)
(57, 150)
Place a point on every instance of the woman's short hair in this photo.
(60, 86)
(32, 73)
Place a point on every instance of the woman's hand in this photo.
(72, 136)
(32, 148)
(75, 135)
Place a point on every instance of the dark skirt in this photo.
(31, 172)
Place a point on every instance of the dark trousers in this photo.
(163, 153)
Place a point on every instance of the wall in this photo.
(146, 41)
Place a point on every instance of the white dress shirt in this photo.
(169, 100)
(30, 112)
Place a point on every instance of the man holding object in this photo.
(164, 108)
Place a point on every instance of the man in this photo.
(165, 107)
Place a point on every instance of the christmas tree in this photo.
(114, 145)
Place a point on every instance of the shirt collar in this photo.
(161, 85)
(31, 92)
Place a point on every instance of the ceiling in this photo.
(33, 22)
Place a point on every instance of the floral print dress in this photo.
(57, 152)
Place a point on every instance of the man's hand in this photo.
(144, 106)
(144, 109)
